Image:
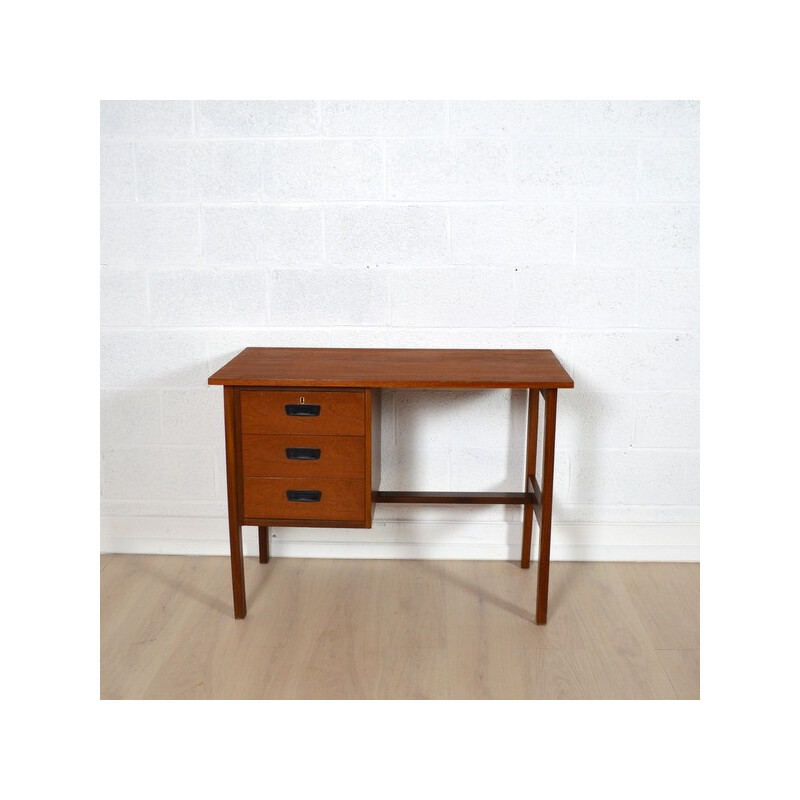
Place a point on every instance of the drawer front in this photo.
(298, 455)
(297, 411)
(338, 499)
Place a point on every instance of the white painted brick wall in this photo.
(448, 168)
(553, 170)
(328, 296)
(387, 235)
(323, 169)
(503, 118)
(572, 225)
(642, 235)
(454, 298)
(244, 235)
(518, 234)
(256, 118)
(406, 118)
(146, 236)
(553, 297)
(117, 183)
(194, 297)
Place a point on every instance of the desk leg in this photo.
(530, 472)
(234, 528)
(237, 571)
(263, 544)
(548, 462)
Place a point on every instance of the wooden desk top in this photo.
(377, 368)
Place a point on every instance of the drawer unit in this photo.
(333, 413)
(307, 458)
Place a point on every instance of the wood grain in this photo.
(531, 451)
(683, 669)
(341, 387)
(453, 498)
(339, 456)
(546, 507)
(383, 368)
(382, 629)
(233, 461)
(341, 413)
(341, 499)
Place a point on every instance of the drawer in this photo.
(338, 499)
(298, 411)
(299, 455)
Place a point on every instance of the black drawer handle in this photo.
(304, 495)
(302, 410)
(303, 453)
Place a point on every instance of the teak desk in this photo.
(302, 438)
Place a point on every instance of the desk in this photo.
(302, 438)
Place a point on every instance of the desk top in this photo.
(377, 368)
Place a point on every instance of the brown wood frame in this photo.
(536, 498)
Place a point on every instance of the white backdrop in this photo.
(560, 224)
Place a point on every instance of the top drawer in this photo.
(338, 412)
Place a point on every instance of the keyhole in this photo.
(302, 401)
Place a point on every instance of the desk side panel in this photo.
(373, 428)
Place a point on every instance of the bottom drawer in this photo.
(305, 498)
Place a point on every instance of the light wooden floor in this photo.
(334, 629)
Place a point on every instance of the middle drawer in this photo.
(295, 455)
